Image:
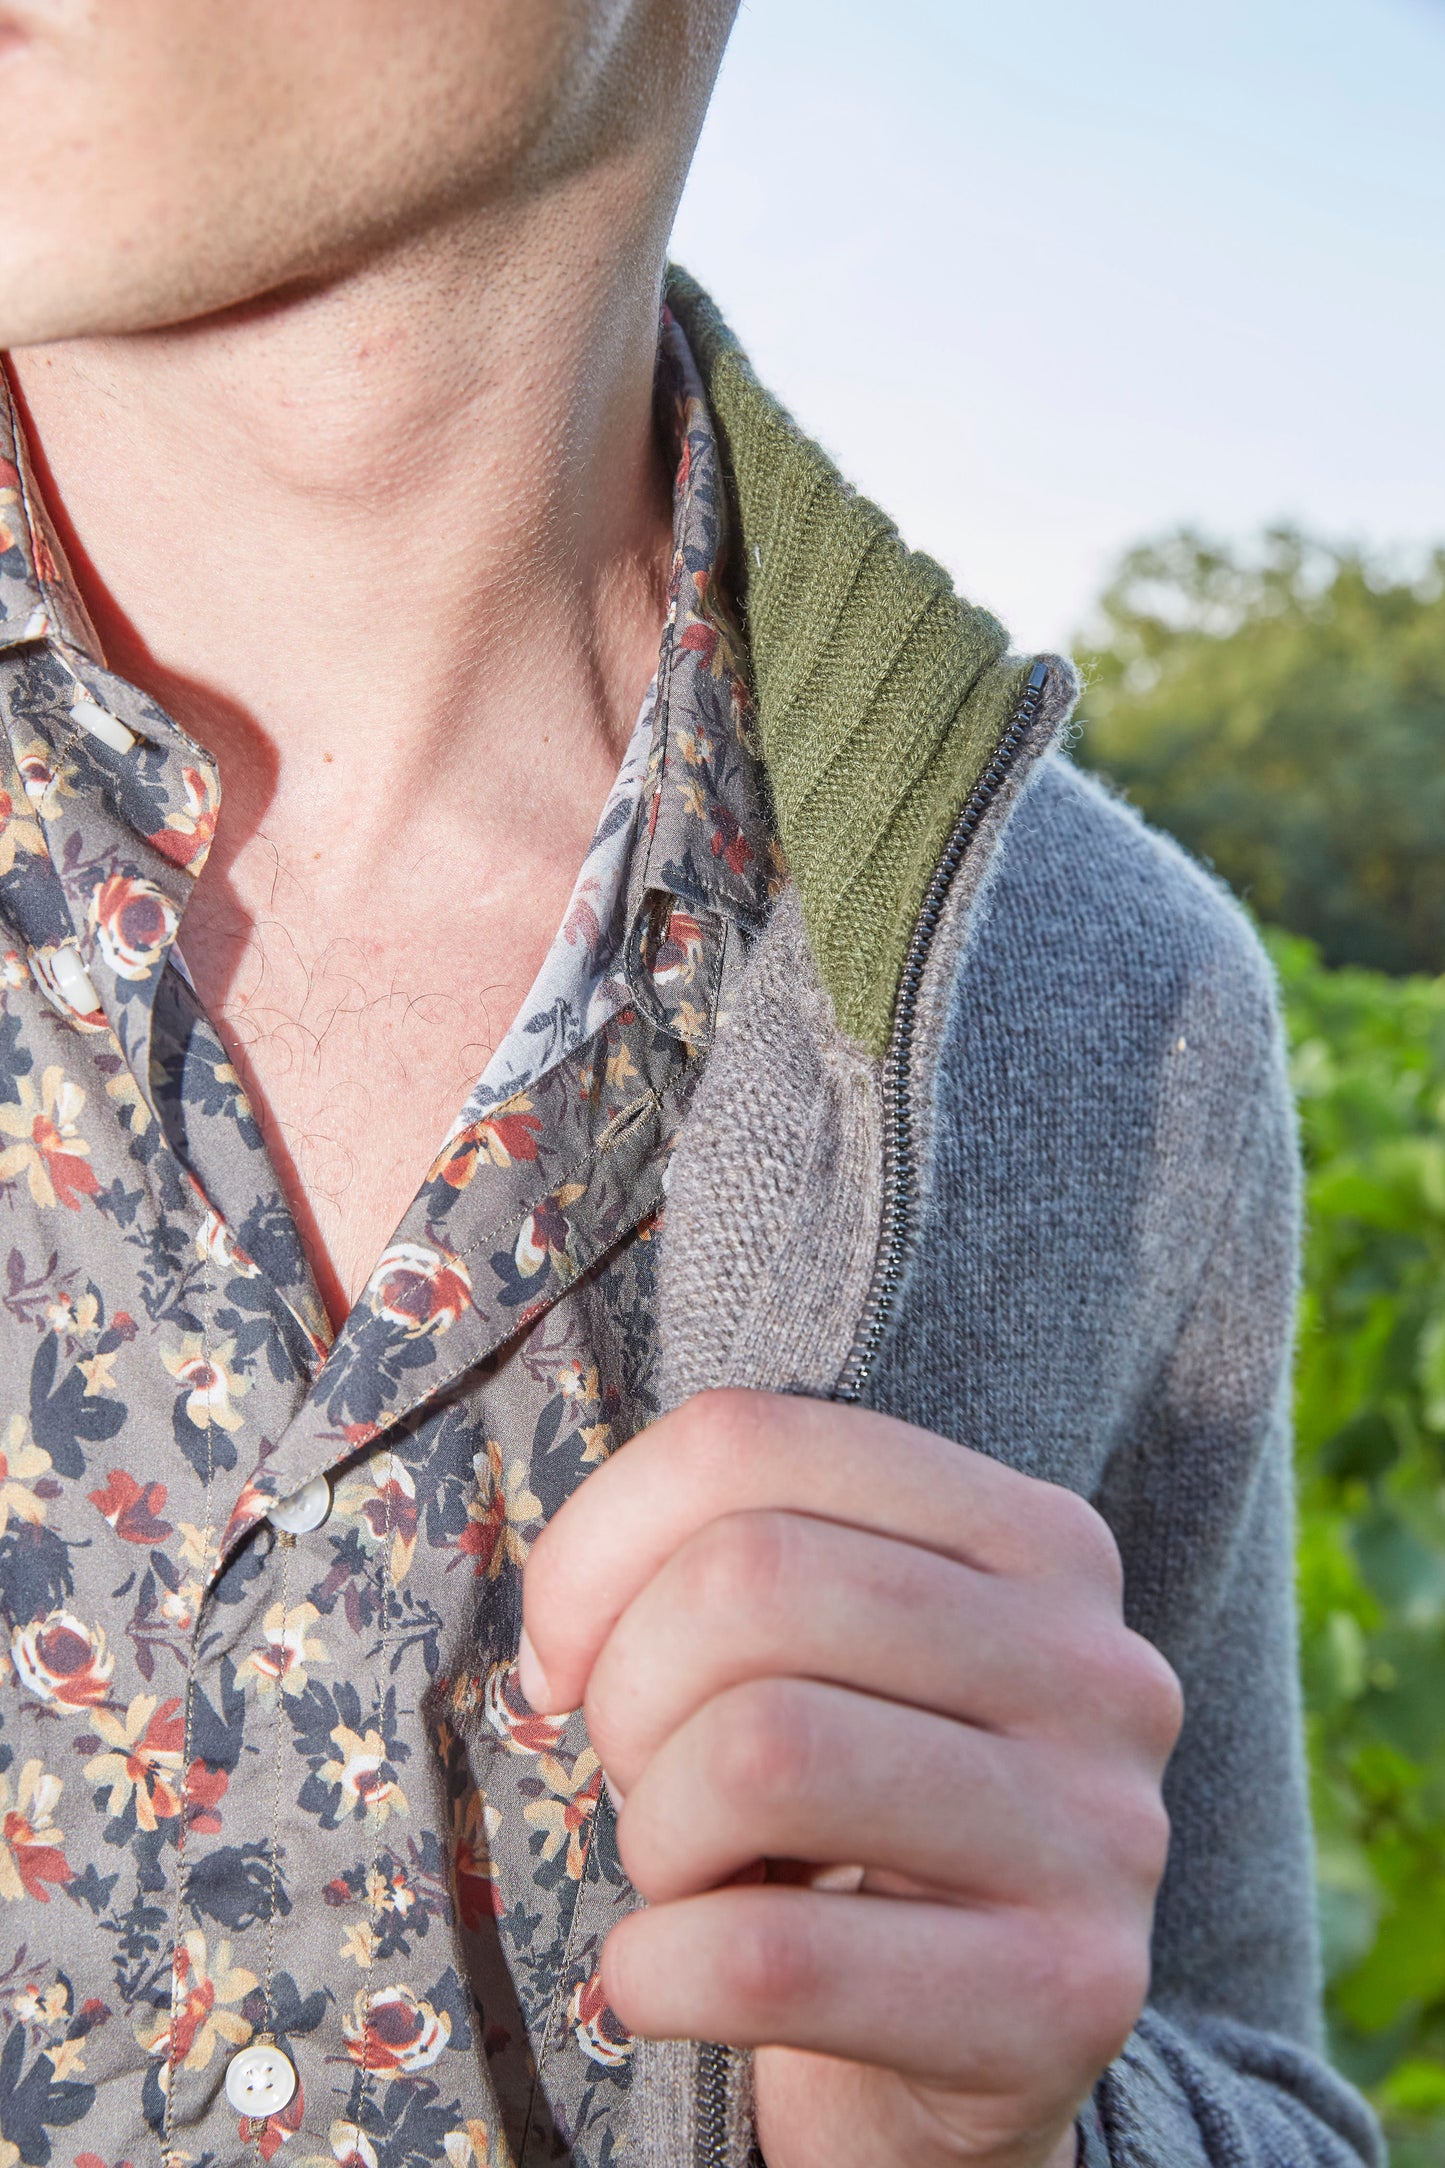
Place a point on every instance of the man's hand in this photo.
(815, 1637)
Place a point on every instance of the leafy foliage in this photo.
(1282, 711)
(1369, 1067)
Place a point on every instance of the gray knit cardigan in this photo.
(1100, 1278)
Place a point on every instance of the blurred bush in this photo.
(1369, 1067)
(1282, 711)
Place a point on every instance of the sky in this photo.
(1049, 279)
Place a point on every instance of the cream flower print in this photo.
(144, 1762)
(381, 1494)
(501, 1513)
(22, 1463)
(63, 1661)
(361, 1944)
(566, 1817)
(359, 1768)
(476, 2145)
(216, 1245)
(349, 2145)
(289, 1647)
(201, 2021)
(212, 1385)
(395, 2031)
(32, 1848)
(133, 921)
(49, 1150)
(20, 832)
(46, 780)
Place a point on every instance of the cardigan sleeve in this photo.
(1226, 2065)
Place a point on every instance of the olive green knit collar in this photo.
(881, 695)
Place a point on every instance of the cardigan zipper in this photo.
(710, 2149)
(899, 1184)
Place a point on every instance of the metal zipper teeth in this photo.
(898, 1169)
(710, 2148)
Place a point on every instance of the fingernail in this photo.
(531, 1677)
(613, 1793)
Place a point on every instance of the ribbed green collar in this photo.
(881, 695)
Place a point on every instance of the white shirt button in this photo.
(108, 728)
(74, 981)
(260, 2081)
(304, 1509)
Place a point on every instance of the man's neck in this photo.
(415, 522)
(396, 552)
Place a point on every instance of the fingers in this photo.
(1008, 1994)
(771, 1593)
(755, 1774)
(737, 1451)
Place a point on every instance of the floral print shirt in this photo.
(259, 1786)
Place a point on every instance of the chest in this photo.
(357, 1028)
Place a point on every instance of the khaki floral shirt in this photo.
(259, 1786)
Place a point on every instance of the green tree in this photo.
(1282, 711)
(1368, 1057)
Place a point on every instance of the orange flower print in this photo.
(475, 1823)
(49, 1151)
(144, 1763)
(199, 2022)
(544, 1233)
(133, 1512)
(46, 782)
(598, 2031)
(134, 923)
(499, 1512)
(32, 1852)
(276, 2129)
(508, 1133)
(395, 2032)
(516, 1723)
(423, 1290)
(381, 1494)
(190, 827)
(62, 1661)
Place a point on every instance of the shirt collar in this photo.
(38, 597)
(707, 856)
(710, 856)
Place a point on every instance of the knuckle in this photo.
(1100, 1977)
(1137, 1823)
(769, 1965)
(738, 1566)
(1095, 1548)
(765, 1745)
(1156, 1694)
(1077, 1540)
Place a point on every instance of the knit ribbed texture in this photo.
(881, 695)
(1100, 1294)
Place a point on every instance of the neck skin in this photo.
(423, 522)
(395, 551)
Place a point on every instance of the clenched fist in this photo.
(897, 1673)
